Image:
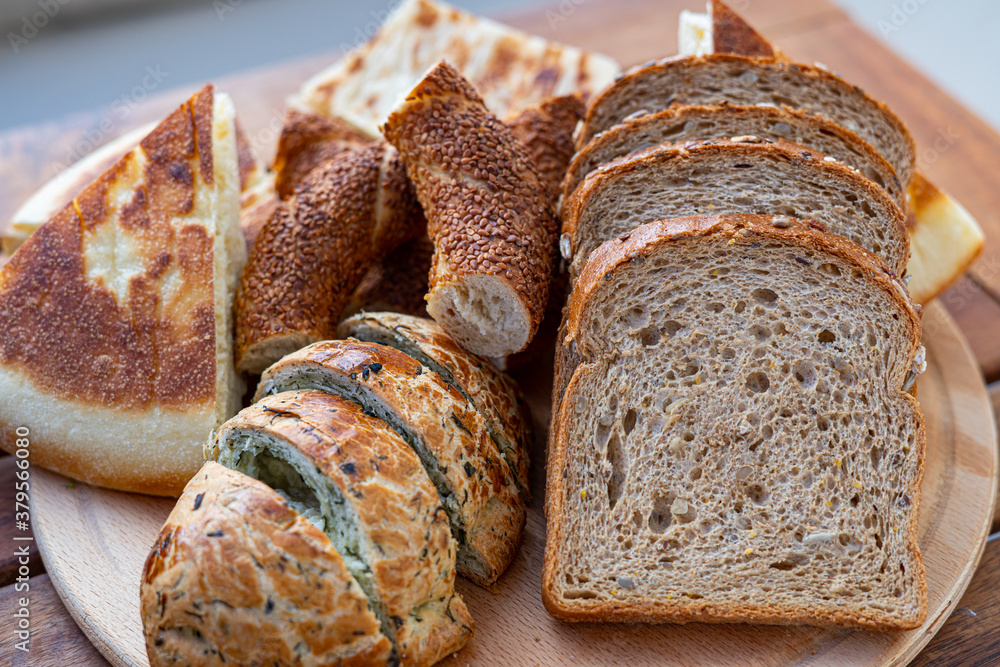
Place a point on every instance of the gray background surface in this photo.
(92, 53)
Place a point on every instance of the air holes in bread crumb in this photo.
(671, 327)
(830, 269)
(826, 336)
(758, 382)
(764, 296)
(757, 494)
(728, 354)
(660, 517)
(805, 373)
(740, 306)
(743, 473)
(716, 307)
(617, 479)
(629, 422)
(761, 333)
(650, 336)
(637, 318)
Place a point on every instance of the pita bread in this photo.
(115, 325)
(510, 69)
(944, 238)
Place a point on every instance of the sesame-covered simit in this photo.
(315, 249)
(488, 214)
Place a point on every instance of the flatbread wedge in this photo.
(511, 70)
(115, 325)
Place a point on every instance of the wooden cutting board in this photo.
(94, 542)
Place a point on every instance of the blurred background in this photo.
(64, 56)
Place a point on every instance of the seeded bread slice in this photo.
(238, 577)
(680, 124)
(494, 395)
(476, 487)
(741, 80)
(357, 480)
(733, 176)
(735, 444)
(488, 213)
(316, 248)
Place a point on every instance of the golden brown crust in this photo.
(547, 132)
(486, 205)
(72, 335)
(619, 252)
(315, 249)
(618, 101)
(109, 311)
(494, 394)
(397, 282)
(731, 34)
(237, 577)
(481, 498)
(407, 546)
(308, 140)
(680, 123)
(750, 147)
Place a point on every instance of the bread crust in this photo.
(316, 248)
(679, 124)
(255, 580)
(619, 101)
(731, 34)
(619, 252)
(486, 511)
(487, 210)
(547, 132)
(411, 555)
(750, 148)
(308, 140)
(493, 393)
(108, 312)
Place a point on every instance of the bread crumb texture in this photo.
(735, 441)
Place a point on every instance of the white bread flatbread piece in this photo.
(510, 69)
(115, 324)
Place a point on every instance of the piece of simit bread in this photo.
(115, 315)
(735, 444)
(742, 80)
(355, 478)
(238, 577)
(477, 488)
(308, 140)
(396, 282)
(547, 132)
(743, 175)
(495, 396)
(316, 248)
(487, 211)
(680, 124)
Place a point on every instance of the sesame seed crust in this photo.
(315, 249)
(487, 207)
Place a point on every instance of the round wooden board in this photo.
(94, 543)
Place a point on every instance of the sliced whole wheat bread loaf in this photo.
(744, 175)
(741, 80)
(735, 444)
(683, 123)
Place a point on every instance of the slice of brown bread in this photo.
(741, 80)
(683, 123)
(735, 444)
(732, 176)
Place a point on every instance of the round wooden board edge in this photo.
(933, 625)
(92, 631)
